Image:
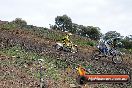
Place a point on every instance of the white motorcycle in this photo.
(68, 48)
(114, 54)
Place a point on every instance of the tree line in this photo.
(64, 23)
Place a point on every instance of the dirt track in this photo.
(30, 42)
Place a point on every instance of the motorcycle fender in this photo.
(60, 44)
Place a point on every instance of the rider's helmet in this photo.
(67, 35)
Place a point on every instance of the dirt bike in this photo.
(113, 54)
(70, 48)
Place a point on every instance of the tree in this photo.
(127, 42)
(82, 30)
(94, 32)
(74, 28)
(63, 23)
(21, 23)
(129, 37)
(91, 32)
(111, 34)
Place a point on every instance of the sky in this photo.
(108, 15)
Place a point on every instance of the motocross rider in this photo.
(66, 41)
(110, 44)
(106, 45)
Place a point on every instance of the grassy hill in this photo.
(21, 49)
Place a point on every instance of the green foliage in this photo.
(92, 43)
(19, 22)
(84, 43)
(128, 38)
(16, 51)
(90, 32)
(74, 28)
(8, 26)
(127, 44)
(23, 57)
(63, 23)
(111, 34)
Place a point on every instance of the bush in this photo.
(19, 22)
(8, 26)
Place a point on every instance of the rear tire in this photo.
(117, 59)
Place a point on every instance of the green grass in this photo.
(22, 57)
(52, 65)
(84, 43)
